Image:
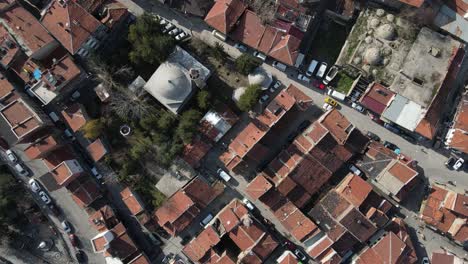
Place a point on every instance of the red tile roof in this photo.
(442, 258)
(115, 12)
(104, 218)
(75, 116)
(96, 150)
(287, 258)
(459, 138)
(22, 118)
(293, 220)
(354, 189)
(70, 24)
(376, 98)
(41, 147)
(193, 153)
(337, 124)
(84, 191)
(402, 172)
(140, 259)
(57, 156)
(6, 88)
(9, 47)
(258, 187)
(26, 28)
(224, 14)
(131, 201)
(198, 247)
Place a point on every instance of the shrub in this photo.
(249, 98)
(93, 129)
(246, 63)
(203, 99)
(188, 125)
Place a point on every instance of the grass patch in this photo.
(344, 83)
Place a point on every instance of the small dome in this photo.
(357, 60)
(368, 39)
(261, 77)
(380, 12)
(390, 18)
(386, 31)
(236, 95)
(374, 22)
(170, 81)
(372, 56)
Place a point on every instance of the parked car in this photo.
(303, 78)
(355, 170)
(275, 86)
(331, 102)
(373, 136)
(305, 124)
(73, 240)
(11, 156)
(66, 226)
(55, 211)
(21, 169)
(96, 173)
(318, 84)
(300, 256)
(358, 107)
(310, 70)
(259, 55)
(44, 197)
(206, 220)
(280, 66)
(458, 164)
(240, 47)
(75, 96)
(34, 185)
(175, 32)
(182, 36)
(69, 135)
(169, 26)
(289, 245)
(223, 175)
(248, 204)
(54, 117)
(264, 98)
(80, 256)
(425, 260)
(331, 74)
(322, 69)
(3, 143)
(390, 145)
(327, 107)
(392, 128)
(162, 21)
(218, 35)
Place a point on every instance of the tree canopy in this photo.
(188, 125)
(246, 63)
(93, 129)
(249, 98)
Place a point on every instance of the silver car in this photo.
(34, 185)
(44, 197)
(11, 156)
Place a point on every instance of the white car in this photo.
(327, 107)
(458, 164)
(275, 86)
(162, 22)
(44, 197)
(358, 107)
(174, 32)
(21, 170)
(264, 98)
(11, 156)
(34, 185)
(331, 74)
(168, 27)
(182, 36)
(303, 78)
(66, 227)
(223, 175)
(355, 170)
(280, 66)
(248, 204)
(322, 69)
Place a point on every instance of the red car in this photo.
(3, 143)
(318, 84)
(73, 239)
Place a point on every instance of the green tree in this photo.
(249, 98)
(188, 125)
(246, 63)
(149, 44)
(149, 122)
(166, 121)
(140, 147)
(218, 52)
(93, 129)
(203, 99)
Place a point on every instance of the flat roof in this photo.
(404, 112)
(21, 118)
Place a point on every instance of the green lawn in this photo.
(344, 83)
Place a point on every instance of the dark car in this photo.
(390, 145)
(392, 128)
(373, 136)
(289, 245)
(73, 240)
(305, 124)
(3, 143)
(409, 138)
(80, 256)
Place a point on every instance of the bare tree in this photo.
(109, 77)
(265, 9)
(129, 104)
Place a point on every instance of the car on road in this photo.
(182, 36)
(327, 107)
(96, 173)
(248, 204)
(373, 136)
(302, 77)
(331, 74)
(280, 66)
(175, 32)
(21, 169)
(223, 175)
(259, 55)
(69, 135)
(240, 47)
(355, 170)
(458, 164)
(162, 21)
(34, 185)
(3, 143)
(310, 70)
(206, 220)
(73, 240)
(450, 162)
(264, 98)
(289, 245)
(322, 69)
(55, 211)
(358, 107)
(66, 226)
(390, 145)
(392, 128)
(75, 96)
(300, 255)
(169, 26)
(318, 84)
(425, 260)
(275, 86)
(11, 156)
(331, 101)
(80, 256)
(44, 197)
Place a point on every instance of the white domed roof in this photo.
(170, 81)
(261, 77)
(372, 56)
(386, 31)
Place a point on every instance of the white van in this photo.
(218, 35)
(313, 64)
(280, 66)
(223, 175)
(337, 95)
(54, 117)
(321, 71)
(206, 220)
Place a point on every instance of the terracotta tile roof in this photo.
(442, 258)
(96, 150)
(173, 209)
(265, 246)
(8, 46)
(224, 14)
(390, 249)
(249, 29)
(377, 97)
(247, 139)
(41, 147)
(201, 192)
(293, 220)
(276, 109)
(115, 12)
(457, 203)
(122, 246)
(402, 172)
(416, 3)
(57, 156)
(25, 27)
(103, 219)
(84, 191)
(22, 118)
(337, 124)
(70, 24)
(287, 258)
(286, 50)
(258, 187)
(198, 247)
(75, 116)
(354, 189)
(133, 204)
(320, 246)
(6, 88)
(140, 259)
(458, 134)
(193, 153)
(91, 5)
(245, 237)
